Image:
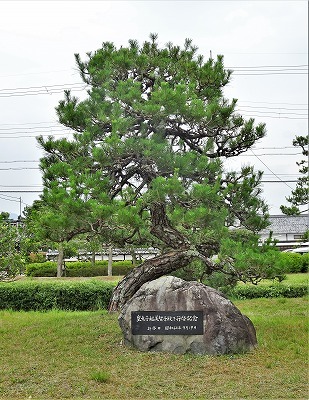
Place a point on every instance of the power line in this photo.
(30, 123)
(273, 66)
(265, 174)
(19, 168)
(21, 191)
(240, 155)
(271, 116)
(274, 148)
(37, 90)
(15, 201)
(242, 109)
(274, 108)
(35, 133)
(270, 169)
(39, 93)
(33, 137)
(270, 154)
(271, 70)
(41, 191)
(271, 73)
(281, 181)
(270, 102)
(19, 161)
(252, 70)
(42, 72)
(45, 86)
(12, 197)
(57, 126)
(20, 186)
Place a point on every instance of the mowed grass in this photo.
(290, 279)
(78, 355)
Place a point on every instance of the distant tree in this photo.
(56, 219)
(147, 157)
(11, 260)
(299, 196)
(4, 215)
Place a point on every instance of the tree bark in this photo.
(60, 260)
(133, 255)
(178, 257)
(110, 261)
(148, 271)
(163, 230)
(93, 258)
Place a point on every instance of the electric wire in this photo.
(3, 198)
(238, 71)
(270, 170)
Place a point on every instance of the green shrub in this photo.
(293, 262)
(242, 292)
(78, 268)
(39, 296)
(47, 269)
(305, 262)
(86, 271)
(94, 294)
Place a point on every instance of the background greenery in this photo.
(95, 294)
(78, 268)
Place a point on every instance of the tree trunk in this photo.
(110, 262)
(178, 257)
(93, 258)
(148, 271)
(134, 261)
(60, 260)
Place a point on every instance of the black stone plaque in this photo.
(167, 323)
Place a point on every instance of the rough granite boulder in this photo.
(225, 329)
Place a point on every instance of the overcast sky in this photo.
(264, 42)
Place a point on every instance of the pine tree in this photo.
(299, 196)
(147, 157)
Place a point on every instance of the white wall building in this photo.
(287, 230)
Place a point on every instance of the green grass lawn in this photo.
(78, 355)
(291, 279)
(295, 279)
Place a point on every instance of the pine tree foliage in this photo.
(299, 196)
(146, 161)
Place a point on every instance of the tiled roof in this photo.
(287, 224)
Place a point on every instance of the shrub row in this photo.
(78, 268)
(94, 295)
(289, 262)
(277, 290)
(43, 296)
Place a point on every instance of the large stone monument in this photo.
(172, 315)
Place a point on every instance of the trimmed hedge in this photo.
(78, 268)
(43, 296)
(46, 269)
(94, 294)
(278, 290)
